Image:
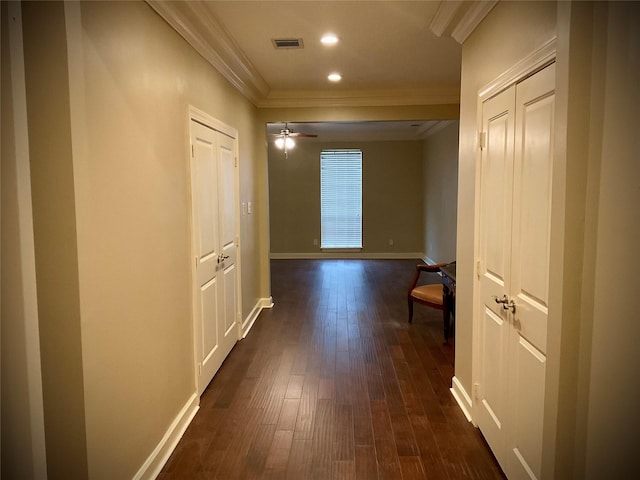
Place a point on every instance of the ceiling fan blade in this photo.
(302, 134)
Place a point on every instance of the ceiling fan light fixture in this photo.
(285, 142)
(334, 77)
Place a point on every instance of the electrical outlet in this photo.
(249, 208)
(391, 242)
(315, 242)
(244, 208)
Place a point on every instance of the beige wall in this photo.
(134, 261)
(440, 188)
(391, 197)
(336, 113)
(612, 421)
(108, 91)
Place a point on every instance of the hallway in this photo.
(333, 383)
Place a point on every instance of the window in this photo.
(341, 198)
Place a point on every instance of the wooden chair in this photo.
(431, 295)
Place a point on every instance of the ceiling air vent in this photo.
(287, 43)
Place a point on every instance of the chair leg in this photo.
(448, 312)
(410, 310)
(446, 315)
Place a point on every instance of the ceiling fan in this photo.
(284, 139)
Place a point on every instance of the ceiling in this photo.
(389, 52)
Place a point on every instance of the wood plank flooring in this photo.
(334, 383)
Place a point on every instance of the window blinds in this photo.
(341, 198)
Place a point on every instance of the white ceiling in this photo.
(390, 52)
(384, 45)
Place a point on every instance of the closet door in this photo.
(529, 289)
(213, 223)
(514, 229)
(496, 189)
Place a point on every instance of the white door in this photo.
(515, 215)
(529, 289)
(227, 207)
(213, 191)
(496, 180)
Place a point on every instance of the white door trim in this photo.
(537, 60)
(211, 122)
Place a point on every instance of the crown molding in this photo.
(368, 98)
(460, 18)
(471, 19)
(209, 38)
(444, 16)
(195, 23)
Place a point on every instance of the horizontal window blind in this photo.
(341, 198)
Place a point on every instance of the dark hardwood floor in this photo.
(333, 383)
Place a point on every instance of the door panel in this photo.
(532, 204)
(228, 194)
(496, 188)
(205, 233)
(496, 174)
(206, 177)
(525, 459)
(205, 182)
(214, 246)
(228, 234)
(493, 379)
(209, 315)
(514, 236)
(533, 161)
(532, 180)
(230, 330)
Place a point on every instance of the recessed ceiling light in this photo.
(334, 77)
(329, 39)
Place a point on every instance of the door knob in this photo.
(502, 300)
(222, 257)
(511, 305)
(507, 303)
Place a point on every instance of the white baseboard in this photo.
(362, 255)
(462, 397)
(261, 304)
(153, 465)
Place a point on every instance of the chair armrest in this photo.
(422, 267)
